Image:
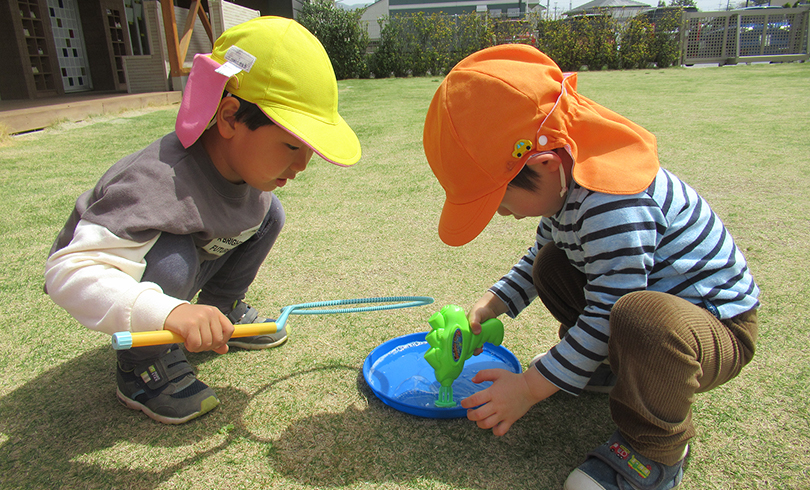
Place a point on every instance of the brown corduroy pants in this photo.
(663, 350)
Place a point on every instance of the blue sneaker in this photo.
(615, 465)
(244, 314)
(165, 389)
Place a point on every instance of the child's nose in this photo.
(302, 160)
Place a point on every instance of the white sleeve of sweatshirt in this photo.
(96, 278)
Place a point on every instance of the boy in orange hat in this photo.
(194, 211)
(655, 301)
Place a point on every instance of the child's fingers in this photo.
(193, 340)
(207, 335)
(486, 375)
(488, 422)
(222, 333)
(488, 417)
(475, 399)
(217, 331)
(475, 328)
(202, 327)
(227, 326)
(482, 397)
(480, 414)
(215, 334)
(203, 336)
(502, 428)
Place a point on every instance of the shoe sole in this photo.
(249, 346)
(206, 406)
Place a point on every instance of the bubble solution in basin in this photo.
(398, 375)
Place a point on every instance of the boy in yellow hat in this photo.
(655, 301)
(194, 211)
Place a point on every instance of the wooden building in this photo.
(58, 47)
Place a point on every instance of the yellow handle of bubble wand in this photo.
(128, 340)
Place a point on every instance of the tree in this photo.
(341, 34)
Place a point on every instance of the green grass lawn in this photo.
(301, 416)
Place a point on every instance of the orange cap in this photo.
(502, 104)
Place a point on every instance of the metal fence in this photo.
(746, 35)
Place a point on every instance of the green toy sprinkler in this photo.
(452, 343)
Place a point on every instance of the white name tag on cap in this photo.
(228, 69)
(240, 58)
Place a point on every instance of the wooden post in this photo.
(172, 44)
(178, 47)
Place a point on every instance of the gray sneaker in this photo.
(242, 313)
(615, 465)
(165, 389)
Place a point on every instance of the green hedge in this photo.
(341, 34)
(580, 41)
(427, 44)
(431, 44)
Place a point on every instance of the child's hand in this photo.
(509, 398)
(203, 327)
(486, 308)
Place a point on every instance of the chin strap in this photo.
(563, 185)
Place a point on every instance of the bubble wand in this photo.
(127, 340)
(451, 343)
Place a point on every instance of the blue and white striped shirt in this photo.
(664, 239)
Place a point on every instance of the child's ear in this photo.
(544, 162)
(226, 116)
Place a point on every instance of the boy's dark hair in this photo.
(250, 115)
(526, 179)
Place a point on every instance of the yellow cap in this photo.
(281, 67)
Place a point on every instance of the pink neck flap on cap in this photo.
(201, 98)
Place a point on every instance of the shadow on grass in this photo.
(51, 424)
(65, 429)
(381, 444)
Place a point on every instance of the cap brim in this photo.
(459, 224)
(334, 141)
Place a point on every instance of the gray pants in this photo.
(174, 265)
(662, 349)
